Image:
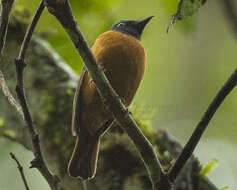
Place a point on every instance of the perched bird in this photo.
(122, 56)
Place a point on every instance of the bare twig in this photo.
(202, 125)
(38, 161)
(229, 7)
(62, 11)
(9, 96)
(9, 137)
(14, 139)
(5, 14)
(20, 168)
(30, 30)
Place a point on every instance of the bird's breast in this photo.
(123, 59)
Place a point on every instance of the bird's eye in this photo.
(120, 24)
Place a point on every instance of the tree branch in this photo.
(38, 161)
(20, 168)
(13, 139)
(62, 11)
(9, 96)
(229, 7)
(5, 14)
(30, 31)
(202, 125)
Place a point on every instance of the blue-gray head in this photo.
(131, 27)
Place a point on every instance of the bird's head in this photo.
(131, 27)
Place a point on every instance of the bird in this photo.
(121, 55)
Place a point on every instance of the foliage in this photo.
(224, 188)
(185, 9)
(208, 167)
(1, 122)
(91, 15)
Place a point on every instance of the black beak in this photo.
(142, 23)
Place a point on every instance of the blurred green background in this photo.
(185, 69)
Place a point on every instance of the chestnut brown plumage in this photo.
(122, 56)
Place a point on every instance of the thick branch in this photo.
(202, 125)
(20, 168)
(62, 11)
(229, 7)
(5, 14)
(38, 162)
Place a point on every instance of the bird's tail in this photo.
(84, 158)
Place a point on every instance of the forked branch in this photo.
(202, 125)
(38, 161)
(62, 11)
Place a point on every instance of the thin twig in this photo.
(202, 125)
(38, 161)
(230, 9)
(30, 31)
(20, 168)
(9, 137)
(62, 11)
(9, 96)
(14, 139)
(5, 14)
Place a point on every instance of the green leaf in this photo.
(143, 117)
(1, 122)
(208, 168)
(224, 188)
(10, 133)
(186, 8)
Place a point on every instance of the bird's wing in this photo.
(76, 105)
